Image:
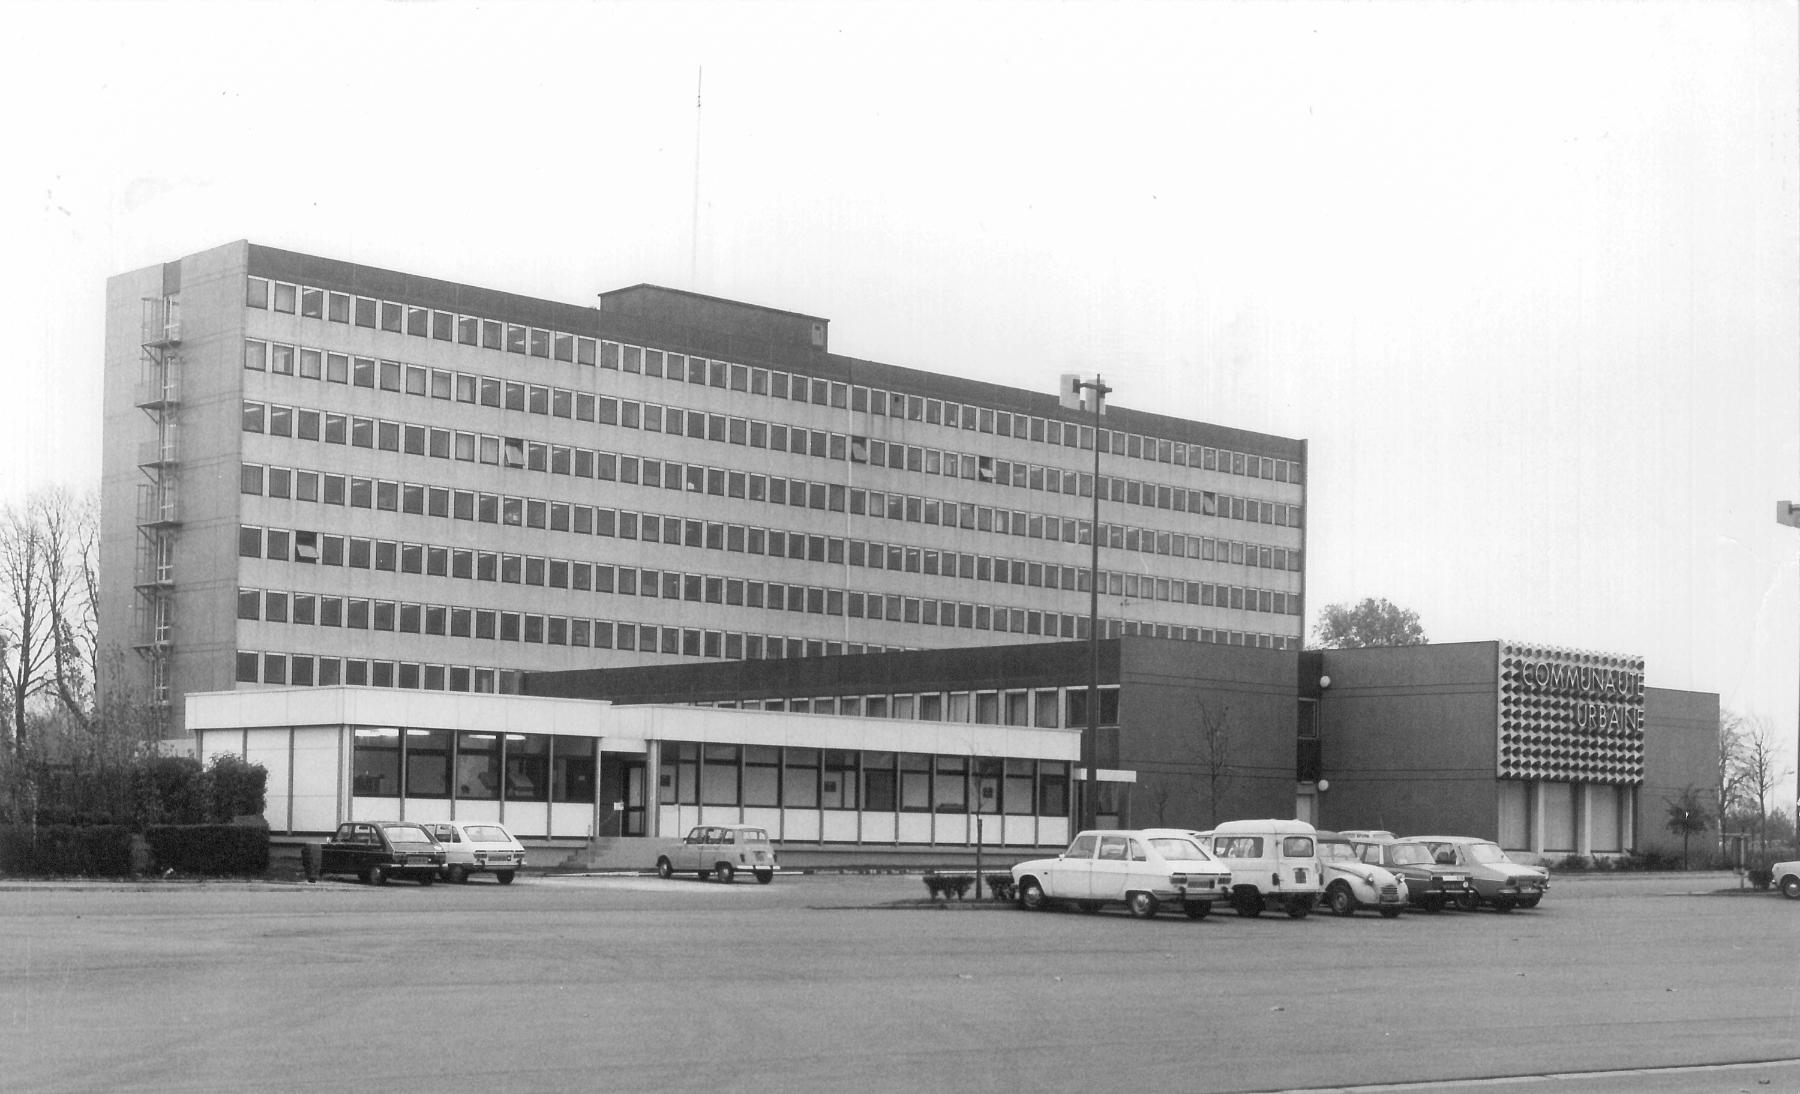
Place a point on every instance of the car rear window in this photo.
(1178, 849)
(487, 833)
(408, 835)
(1297, 847)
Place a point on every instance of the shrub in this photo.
(947, 884)
(234, 788)
(209, 850)
(1000, 886)
(61, 850)
(1572, 864)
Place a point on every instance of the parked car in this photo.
(1366, 833)
(1141, 868)
(378, 850)
(1499, 881)
(1351, 883)
(1787, 878)
(1274, 864)
(1428, 885)
(721, 850)
(477, 847)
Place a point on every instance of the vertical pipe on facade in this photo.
(1090, 752)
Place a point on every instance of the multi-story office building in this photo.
(321, 473)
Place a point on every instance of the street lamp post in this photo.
(1071, 395)
(1788, 513)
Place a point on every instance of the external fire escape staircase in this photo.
(158, 515)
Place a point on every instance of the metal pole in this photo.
(1090, 752)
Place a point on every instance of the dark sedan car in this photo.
(378, 850)
(1428, 885)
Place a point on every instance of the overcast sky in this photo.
(1524, 275)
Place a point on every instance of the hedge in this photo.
(209, 850)
(60, 850)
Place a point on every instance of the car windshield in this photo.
(1336, 851)
(1485, 852)
(1174, 848)
(407, 834)
(1410, 854)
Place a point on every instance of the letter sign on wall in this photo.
(1571, 715)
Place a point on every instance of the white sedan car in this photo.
(1142, 868)
(1787, 878)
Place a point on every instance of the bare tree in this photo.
(1760, 769)
(1214, 753)
(1729, 788)
(27, 645)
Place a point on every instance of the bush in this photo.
(945, 885)
(1000, 886)
(209, 850)
(235, 788)
(61, 850)
(1572, 864)
(1760, 877)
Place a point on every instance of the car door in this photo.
(1114, 861)
(1067, 877)
(686, 855)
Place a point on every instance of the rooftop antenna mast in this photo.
(694, 232)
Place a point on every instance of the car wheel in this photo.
(763, 877)
(427, 879)
(1530, 902)
(1390, 913)
(1340, 901)
(1298, 907)
(1505, 904)
(456, 873)
(1247, 903)
(1031, 895)
(1197, 909)
(1790, 887)
(1467, 902)
(727, 873)
(376, 876)
(1142, 905)
(504, 877)
(663, 869)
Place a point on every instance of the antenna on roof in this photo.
(694, 232)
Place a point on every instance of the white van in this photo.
(1274, 864)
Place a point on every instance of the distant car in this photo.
(1274, 864)
(1500, 882)
(378, 850)
(1142, 868)
(721, 851)
(1787, 878)
(478, 847)
(1367, 833)
(1428, 885)
(1351, 883)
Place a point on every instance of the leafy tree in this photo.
(1687, 816)
(1375, 621)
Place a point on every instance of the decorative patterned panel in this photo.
(1569, 715)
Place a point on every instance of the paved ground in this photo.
(848, 983)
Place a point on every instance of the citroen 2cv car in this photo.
(1428, 885)
(1351, 883)
(1142, 868)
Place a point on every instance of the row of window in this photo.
(1042, 708)
(442, 502)
(317, 364)
(387, 762)
(761, 776)
(441, 620)
(523, 453)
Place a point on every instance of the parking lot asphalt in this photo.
(853, 981)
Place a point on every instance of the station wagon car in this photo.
(1499, 881)
(378, 850)
(478, 847)
(1141, 868)
(1274, 864)
(722, 851)
(1428, 885)
(1351, 883)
